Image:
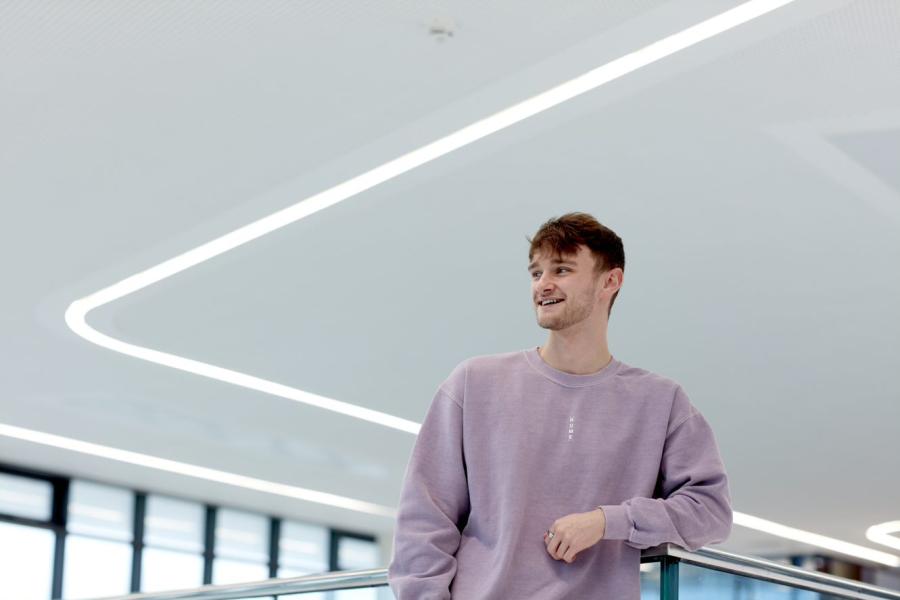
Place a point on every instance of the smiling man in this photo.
(541, 474)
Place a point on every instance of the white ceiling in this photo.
(753, 179)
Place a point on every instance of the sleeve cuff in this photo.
(618, 523)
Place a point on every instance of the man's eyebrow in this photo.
(556, 261)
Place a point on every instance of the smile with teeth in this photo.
(550, 302)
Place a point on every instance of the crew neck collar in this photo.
(569, 379)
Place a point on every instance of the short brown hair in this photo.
(562, 235)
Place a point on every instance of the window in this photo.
(96, 568)
(354, 553)
(303, 550)
(28, 536)
(172, 557)
(98, 546)
(26, 561)
(101, 511)
(241, 547)
(26, 497)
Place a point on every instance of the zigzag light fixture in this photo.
(76, 314)
(882, 533)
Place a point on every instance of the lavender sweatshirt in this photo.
(510, 444)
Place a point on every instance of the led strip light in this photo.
(76, 314)
(882, 534)
(815, 539)
(198, 472)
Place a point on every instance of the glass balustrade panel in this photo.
(701, 583)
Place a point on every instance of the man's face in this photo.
(569, 278)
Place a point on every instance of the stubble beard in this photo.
(577, 309)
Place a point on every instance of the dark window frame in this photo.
(58, 524)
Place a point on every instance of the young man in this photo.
(541, 474)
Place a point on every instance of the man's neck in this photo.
(577, 359)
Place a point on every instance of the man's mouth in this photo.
(552, 303)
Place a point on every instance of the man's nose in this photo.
(544, 283)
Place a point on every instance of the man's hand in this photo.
(574, 533)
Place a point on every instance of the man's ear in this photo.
(603, 278)
(617, 273)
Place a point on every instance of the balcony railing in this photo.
(666, 571)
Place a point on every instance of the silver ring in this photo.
(550, 536)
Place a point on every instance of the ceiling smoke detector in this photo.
(441, 28)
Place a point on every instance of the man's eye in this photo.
(536, 273)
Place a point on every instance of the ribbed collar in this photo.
(569, 379)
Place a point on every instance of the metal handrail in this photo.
(754, 568)
(767, 570)
(333, 580)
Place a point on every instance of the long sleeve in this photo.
(434, 506)
(691, 506)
